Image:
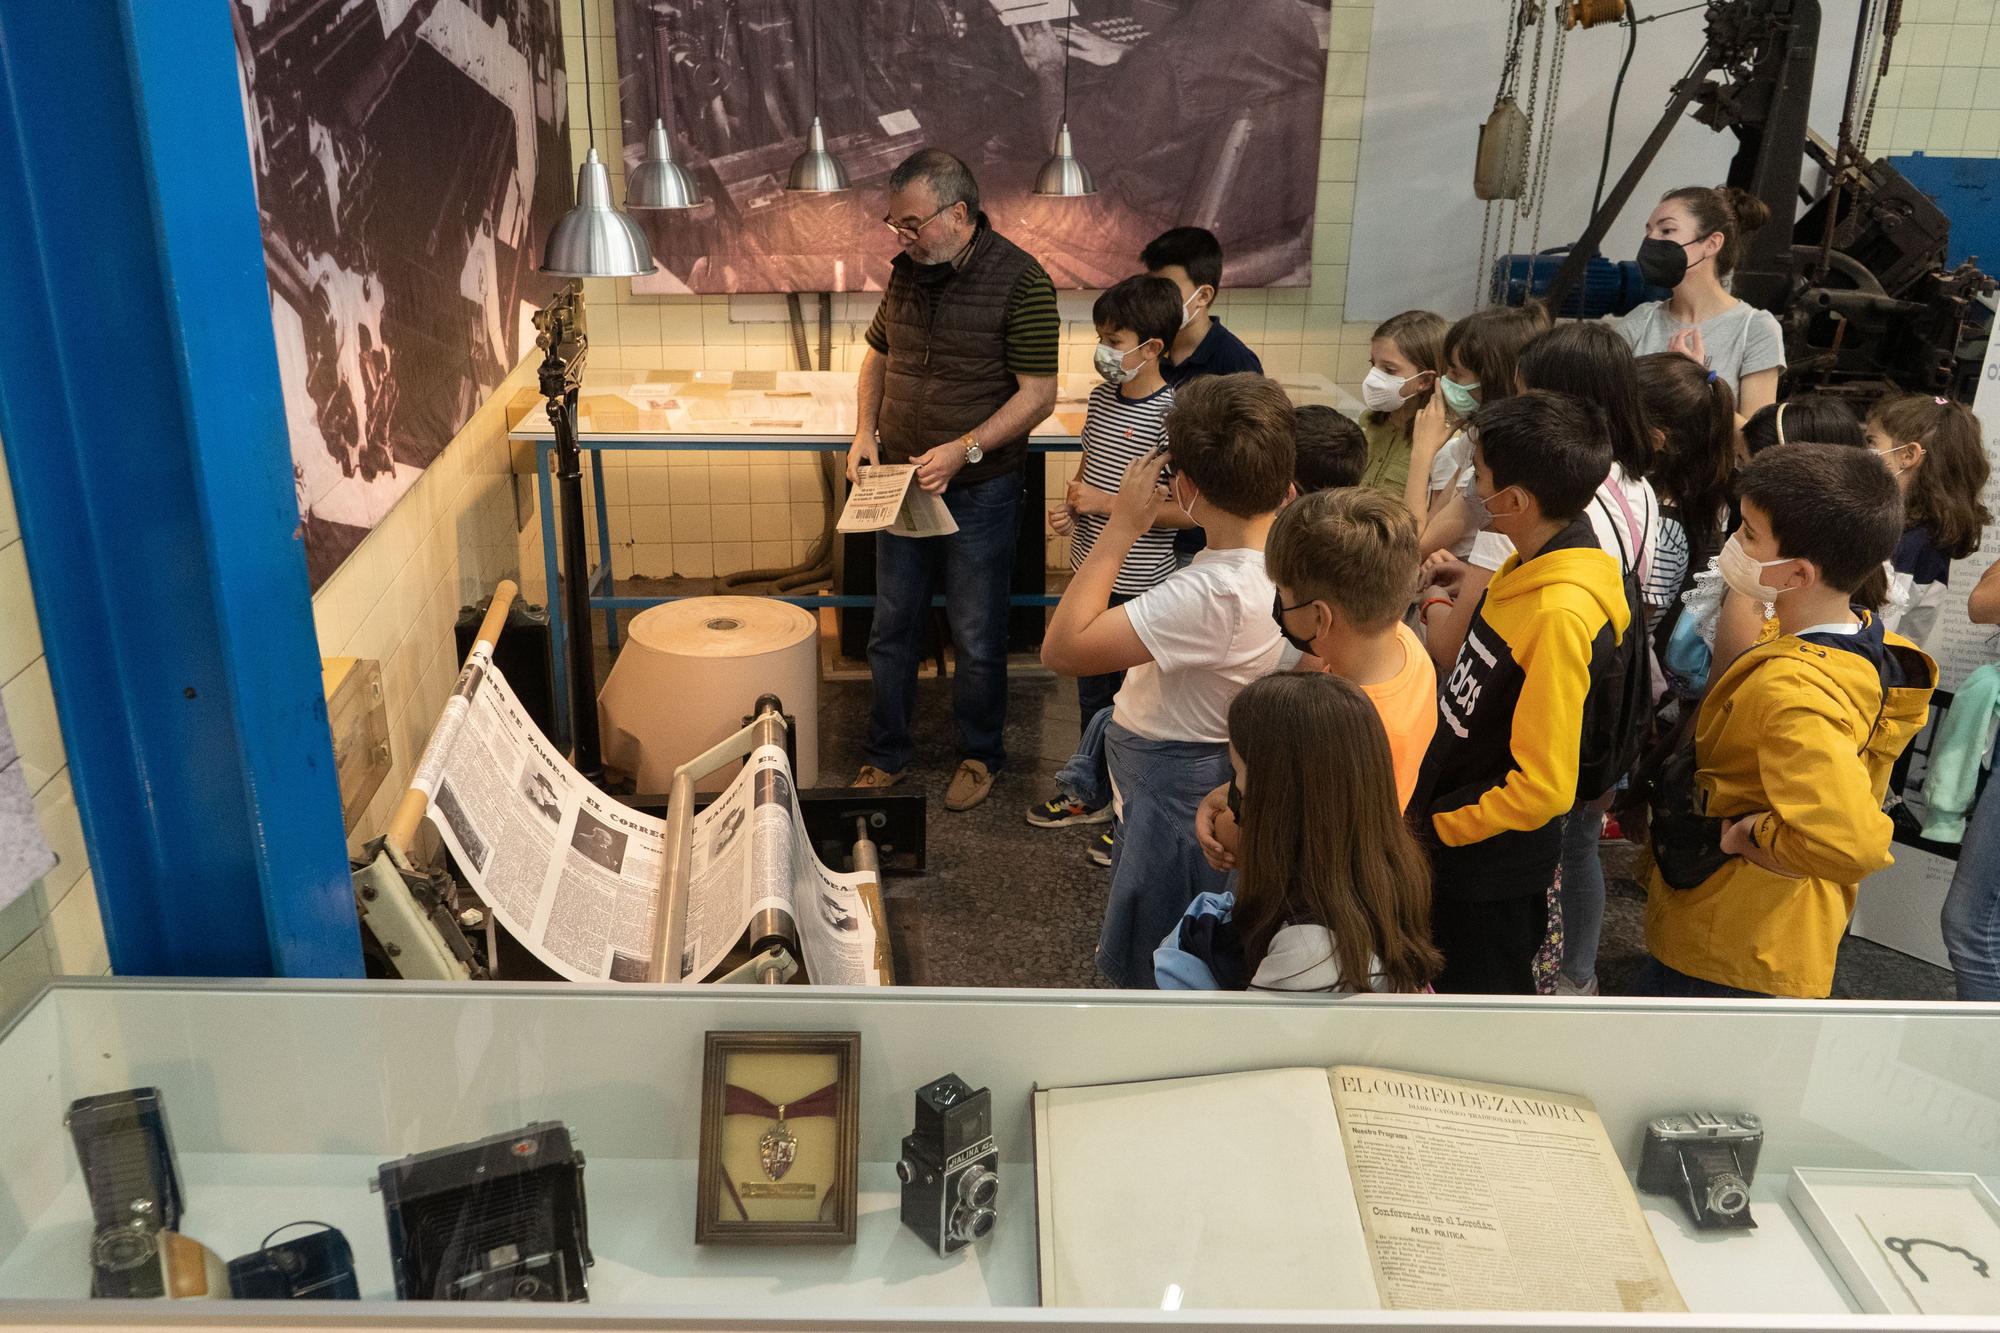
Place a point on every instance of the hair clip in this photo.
(1942, 402)
(1713, 377)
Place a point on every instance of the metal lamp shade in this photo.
(817, 171)
(595, 240)
(659, 181)
(1062, 176)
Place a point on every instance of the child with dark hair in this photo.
(1806, 418)
(1331, 893)
(1191, 259)
(1503, 769)
(1932, 446)
(1405, 357)
(1479, 353)
(1693, 420)
(1187, 645)
(1794, 742)
(1332, 450)
(1125, 419)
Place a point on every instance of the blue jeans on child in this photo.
(1582, 892)
(976, 565)
(1156, 865)
(1972, 908)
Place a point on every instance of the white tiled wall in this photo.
(53, 929)
(718, 514)
(1942, 93)
(396, 599)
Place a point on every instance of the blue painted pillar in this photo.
(145, 434)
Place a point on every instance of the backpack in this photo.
(1619, 710)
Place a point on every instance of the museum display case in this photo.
(327, 1102)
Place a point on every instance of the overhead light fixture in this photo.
(659, 181)
(1062, 176)
(594, 239)
(817, 170)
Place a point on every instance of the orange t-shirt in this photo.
(1407, 702)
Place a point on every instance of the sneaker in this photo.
(1613, 831)
(1060, 811)
(972, 784)
(1100, 848)
(874, 778)
(1564, 986)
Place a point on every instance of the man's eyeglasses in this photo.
(908, 230)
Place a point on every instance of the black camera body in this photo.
(1707, 1160)
(950, 1166)
(134, 1186)
(498, 1219)
(318, 1266)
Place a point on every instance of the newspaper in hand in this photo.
(886, 498)
(578, 877)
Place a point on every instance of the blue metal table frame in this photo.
(611, 603)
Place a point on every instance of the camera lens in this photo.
(123, 1248)
(969, 1224)
(906, 1171)
(1728, 1195)
(978, 1187)
(527, 1288)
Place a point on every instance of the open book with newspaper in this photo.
(578, 877)
(888, 499)
(1341, 1188)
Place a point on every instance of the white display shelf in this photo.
(284, 1098)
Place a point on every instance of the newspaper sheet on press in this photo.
(577, 877)
(887, 498)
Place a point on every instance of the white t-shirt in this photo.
(1210, 631)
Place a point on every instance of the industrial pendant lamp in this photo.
(659, 181)
(594, 239)
(1062, 176)
(817, 170)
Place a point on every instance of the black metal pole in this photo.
(586, 750)
(1593, 234)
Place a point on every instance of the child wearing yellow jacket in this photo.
(1795, 740)
(1501, 770)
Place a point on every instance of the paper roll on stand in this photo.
(690, 673)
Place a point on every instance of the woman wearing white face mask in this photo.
(1405, 357)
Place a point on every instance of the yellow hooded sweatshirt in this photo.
(1803, 729)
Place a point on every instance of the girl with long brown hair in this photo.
(1932, 446)
(1332, 893)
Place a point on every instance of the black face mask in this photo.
(1662, 263)
(1278, 609)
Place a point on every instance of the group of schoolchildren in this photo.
(1560, 576)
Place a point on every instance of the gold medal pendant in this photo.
(777, 1149)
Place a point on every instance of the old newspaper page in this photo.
(887, 498)
(1475, 1196)
(577, 876)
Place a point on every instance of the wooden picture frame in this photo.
(780, 1139)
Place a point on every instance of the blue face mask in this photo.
(1458, 397)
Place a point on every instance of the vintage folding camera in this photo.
(1708, 1161)
(500, 1219)
(318, 1266)
(950, 1166)
(134, 1186)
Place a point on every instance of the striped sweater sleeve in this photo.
(1034, 327)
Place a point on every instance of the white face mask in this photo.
(1745, 574)
(1381, 391)
(1187, 307)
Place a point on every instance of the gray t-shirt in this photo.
(1740, 341)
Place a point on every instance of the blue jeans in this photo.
(1657, 979)
(1582, 893)
(1156, 865)
(977, 566)
(1095, 693)
(1972, 909)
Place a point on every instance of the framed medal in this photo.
(780, 1138)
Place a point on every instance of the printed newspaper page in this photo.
(577, 877)
(1480, 1197)
(887, 498)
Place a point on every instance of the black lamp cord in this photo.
(1069, 21)
(1632, 22)
(589, 93)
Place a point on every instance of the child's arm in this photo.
(1445, 631)
(1451, 522)
(1089, 500)
(1825, 818)
(1545, 736)
(1087, 636)
(1737, 626)
(1428, 433)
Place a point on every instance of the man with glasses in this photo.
(961, 365)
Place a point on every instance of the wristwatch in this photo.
(973, 453)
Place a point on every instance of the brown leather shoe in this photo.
(871, 776)
(972, 784)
